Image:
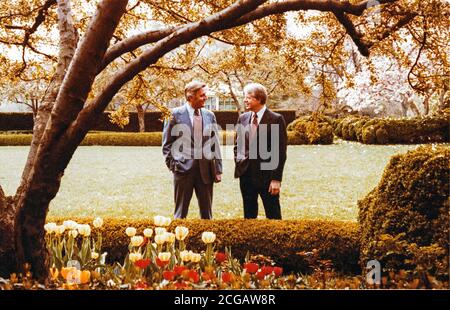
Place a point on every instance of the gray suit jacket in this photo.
(178, 144)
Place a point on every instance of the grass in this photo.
(320, 181)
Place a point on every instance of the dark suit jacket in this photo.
(243, 163)
(183, 161)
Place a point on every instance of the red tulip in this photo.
(206, 276)
(142, 263)
(267, 270)
(141, 285)
(193, 276)
(260, 275)
(161, 263)
(169, 275)
(179, 269)
(251, 267)
(227, 277)
(220, 257)
(180, 285)
(278, 271)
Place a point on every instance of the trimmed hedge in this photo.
(405, 219)
(305, 130)
(393, 131)
(121, 139)
(281, 240)
(24, 121)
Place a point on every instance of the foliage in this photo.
(429, 129)
(404, 220)
(159, 259)
(314, 129)
(334, 240)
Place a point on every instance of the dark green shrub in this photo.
(281, 240)
(382, 135)
(305, 130)
(409, 209)
(368, 135)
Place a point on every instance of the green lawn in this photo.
(320, 182)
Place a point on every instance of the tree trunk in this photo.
(7, 225)
(46, 164)
(426, 103)
(141, 117)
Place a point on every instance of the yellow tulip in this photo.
(85, 276)
(65, 271)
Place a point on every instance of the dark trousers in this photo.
(250, 191)
(184, 186)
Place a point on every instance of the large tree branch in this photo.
(401, 23)
(353, 33)
(153, 36)
(219, 21)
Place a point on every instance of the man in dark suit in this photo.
(260, 154)
(192, 152)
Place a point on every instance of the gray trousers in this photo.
(184, 185)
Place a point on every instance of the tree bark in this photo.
(141, 117)
(42, 180)
(7, 225)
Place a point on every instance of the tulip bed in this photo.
(158, 258)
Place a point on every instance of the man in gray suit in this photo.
(192, 152)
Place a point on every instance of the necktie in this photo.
(198, 134)
(254, 125)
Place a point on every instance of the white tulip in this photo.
(50, 228)
(160, 230)
(148, 232)
(137, 240)
(98, 222)
(158, 220)
(84, 230)
(194, 257)
(181, 232)
(133, 257)
(130, 231)
(161, 220)
(60, 229)
(164, 256)
(70, 225)
(185, 256)
(170, 237)
(73, 233)
(160, 239)
(208, 237)
(167, 221)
